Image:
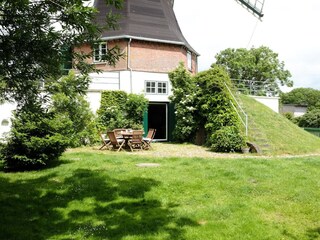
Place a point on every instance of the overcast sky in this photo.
(289, 28)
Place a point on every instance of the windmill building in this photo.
(153, 45)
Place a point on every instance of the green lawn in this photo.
(100, 195)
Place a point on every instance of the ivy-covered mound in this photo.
(121, 110)
(203, 106)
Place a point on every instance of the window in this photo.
(99, 51)
(155, 87)
(189, 60)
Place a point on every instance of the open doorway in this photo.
(158, 119)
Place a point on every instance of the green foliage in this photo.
(183, 98)
(2, 146)
(33, 39)
(258, 64)
(302, 96)
(227, 139)
(37, 138)
(34, 36)
(214, 102)
(68, 99)
(310, 119)
(290, 116)
(202, 101)
(135, 107)
(121, 110)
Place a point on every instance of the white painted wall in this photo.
(104, 81)
(271, 102)
(130, 82)
(124, 80)
(5, 117)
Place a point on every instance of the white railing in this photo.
(256, 88)
(244, 120)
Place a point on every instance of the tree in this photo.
(310, 119)
(302, 96)
(35, 36)
(68, 99)
(258, 69)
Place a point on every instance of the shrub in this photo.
(2, 146)
(119, 109)
(183, 98)
(202, 102)
(37, 138)
(68, 99)
(310, 119)
(214, 102)
(227, 139)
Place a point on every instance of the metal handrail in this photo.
(245, 121)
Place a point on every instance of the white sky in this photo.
(289, 28)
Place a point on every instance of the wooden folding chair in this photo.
(105, 140)
(118, 131)
(149, 138)
(116, 143)
(135, 143)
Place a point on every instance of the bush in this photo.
(310, 119)
(67, 98)
(2, 146)
(202, 102)
(214, 102)
(121, 110)
(227, 139)
(183, 98)
(36, 139)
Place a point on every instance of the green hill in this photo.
(281, 135)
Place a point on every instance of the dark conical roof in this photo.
(149, 20)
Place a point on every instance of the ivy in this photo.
(121, 110)
(203, 102)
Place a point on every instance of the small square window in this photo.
(150, 87)
(154, 87)
(162, 87)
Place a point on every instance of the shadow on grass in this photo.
(86, 205)
(313, 233)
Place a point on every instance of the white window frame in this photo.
(99, 51)
(157, 86)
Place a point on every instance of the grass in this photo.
(101, 195)
(283, 136)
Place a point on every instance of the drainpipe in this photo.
(129, 62)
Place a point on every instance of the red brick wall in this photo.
(156, 57)
(147, 56)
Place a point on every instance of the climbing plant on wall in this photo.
(121, 110)
(203, 102)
